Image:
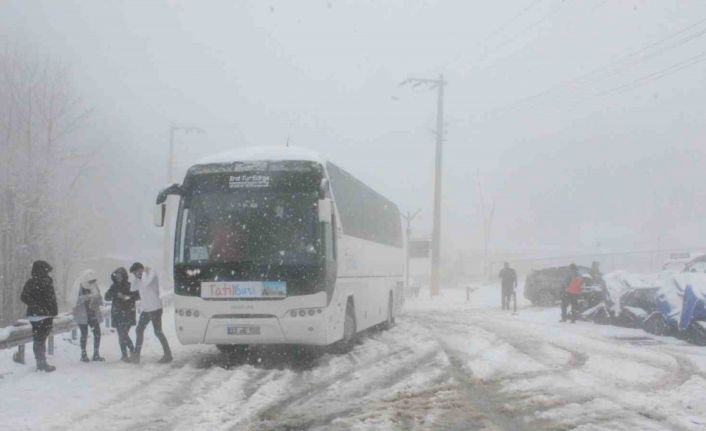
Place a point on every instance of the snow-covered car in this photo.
(697, 264)
(688, 261)
(680, 307)
(544, 287)
(630, 298)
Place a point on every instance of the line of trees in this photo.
(39, 165)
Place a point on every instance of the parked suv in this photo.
(544, 287)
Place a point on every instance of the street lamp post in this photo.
(166, 254)
(408, 218)
(439, 85)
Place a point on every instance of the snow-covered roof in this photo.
(251, 154)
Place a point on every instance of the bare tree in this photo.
(38, 111)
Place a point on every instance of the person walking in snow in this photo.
(146, 283)
(39, 296)
(122, 312)
(573, 287)
(508, 281)
(87, 312)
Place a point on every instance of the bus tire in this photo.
(390, 321)
(345, 344)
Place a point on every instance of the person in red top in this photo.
(570, 295)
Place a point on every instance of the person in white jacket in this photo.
(146, 283)
(87, 312)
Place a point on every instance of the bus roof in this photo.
(272, 153)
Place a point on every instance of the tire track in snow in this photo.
(350, 397)
(509, 410)
(126, 396)
(180, 401)
(312, 390)
(484, 398)
(602, 407)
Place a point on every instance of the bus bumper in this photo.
(251, 328)
(265, 331)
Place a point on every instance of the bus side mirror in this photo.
(160, 210)
(325, 210)
(174, 189)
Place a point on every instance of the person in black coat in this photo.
(39, 296)
(122, 313)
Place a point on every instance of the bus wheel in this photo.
(390, 319)
(345, 344)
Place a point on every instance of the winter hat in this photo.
(83, 281)
(41, 268)
(119, 275)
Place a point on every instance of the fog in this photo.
(573, 159)
(612, 162)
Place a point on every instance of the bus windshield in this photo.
(258, 226)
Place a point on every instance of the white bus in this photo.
(279, 246)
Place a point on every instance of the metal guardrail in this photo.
(21, 333)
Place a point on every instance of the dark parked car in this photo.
(544, 287)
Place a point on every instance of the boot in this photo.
(43, 366)
(97, 357)
(84, 357)
(135, 358)
(167, 358)
(125, 358)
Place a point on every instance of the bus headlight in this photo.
(302, 312)
(188, 312)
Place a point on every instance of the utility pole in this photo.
(408, 218)
(487, 225)
(439, 85)
(166, 252)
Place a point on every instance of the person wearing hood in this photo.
(87, 312)
(39, 296)
(122, 313)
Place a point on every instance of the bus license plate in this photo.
(243, 330)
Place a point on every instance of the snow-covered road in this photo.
(447, 364)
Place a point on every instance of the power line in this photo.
(604, 72)
(500, 29)
(677, 67)
(510, 21)
(507, 41)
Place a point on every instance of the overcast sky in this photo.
(609, 160)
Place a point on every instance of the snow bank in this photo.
(5, 333)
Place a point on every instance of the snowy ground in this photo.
(447, 364)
